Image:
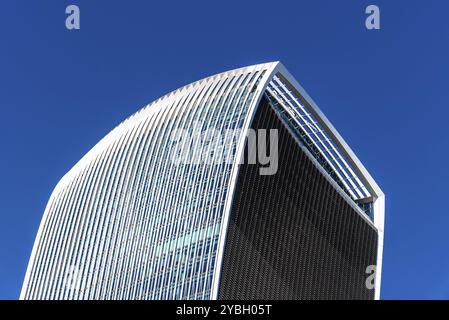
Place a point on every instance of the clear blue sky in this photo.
(386, 91)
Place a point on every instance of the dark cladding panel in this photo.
(292, 235)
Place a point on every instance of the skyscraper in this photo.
(173, 204)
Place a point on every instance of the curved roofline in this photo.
(274, 68)
(148, 109)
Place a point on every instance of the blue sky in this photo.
(386, 91)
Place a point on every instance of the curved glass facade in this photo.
(132, 220)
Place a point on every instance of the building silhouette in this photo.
(142, 216)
